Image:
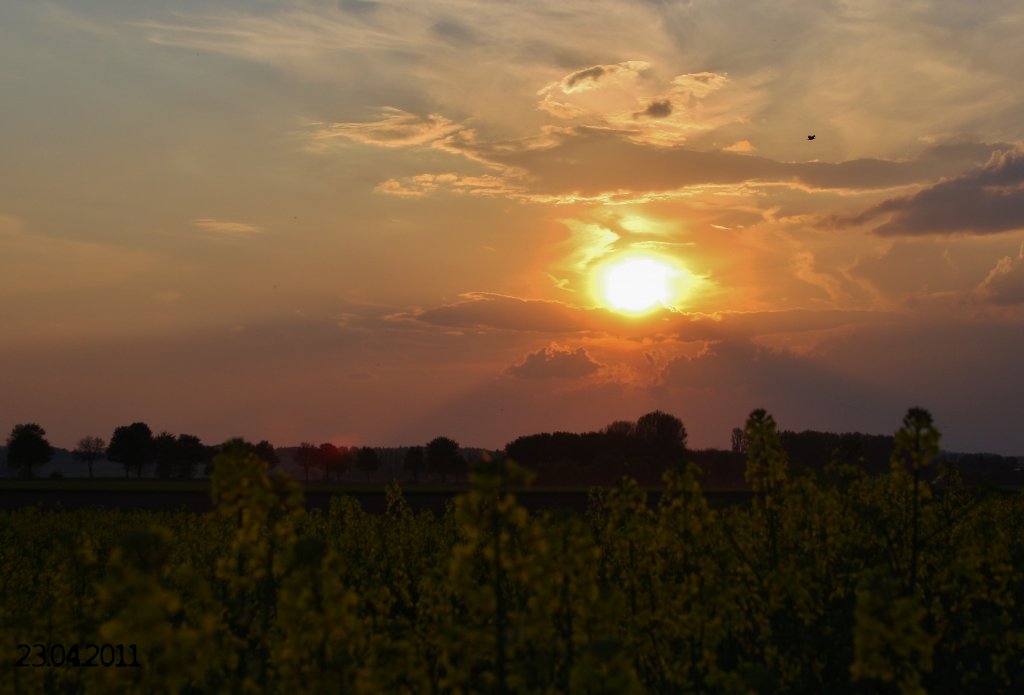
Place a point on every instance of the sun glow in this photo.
(637, 284)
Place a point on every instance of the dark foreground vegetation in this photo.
(842, 582)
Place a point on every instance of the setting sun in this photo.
(636, 285)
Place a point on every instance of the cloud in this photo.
(865, 379)
(697, 85)
(660, 108)
(591, 163)
(732, 377)
(587, 77)
(988, 200)
(740, 146)
(208, 224)
(395, 128)
(554, 362)
(630, 98)
(488, 311)
(423, 184)
(954, 73)
(592, 92)
(1005, 282)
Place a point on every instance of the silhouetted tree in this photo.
(327, 456)
(192, 452)
(344, 462)
(443, 456)
(414, 461)
(306, 457)
(663, 434)
(367, 460)
(89, 450)
(739, 444)
(266, 451)
(27, 448)
(166, 455)
(132, 446)
(621, 429)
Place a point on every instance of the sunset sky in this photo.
(379, 222)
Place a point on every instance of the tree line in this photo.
(641, 449)
(133, 446)
(183, 456)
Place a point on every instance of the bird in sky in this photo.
(810, 137)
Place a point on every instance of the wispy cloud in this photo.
(226, 227)
(395, 128)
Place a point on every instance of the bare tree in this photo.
(90, 450)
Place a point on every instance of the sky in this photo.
(375, 223)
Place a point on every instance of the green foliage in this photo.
(837, 587)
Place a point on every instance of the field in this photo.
(865, 584)
(194, 496)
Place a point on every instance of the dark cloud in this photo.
(963, 371)
(592, 74)
(737, 376)
(554, 363)
(511, 313)
(657, 109)
(501, 312)
(988, 200)
(591, 161)
(742, 325)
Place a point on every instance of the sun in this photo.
(636, 285)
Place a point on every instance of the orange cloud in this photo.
(208, 224)
(395, 128)
(1005, 282)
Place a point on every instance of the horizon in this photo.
(357, 222)
(68, 448)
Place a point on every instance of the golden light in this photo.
(638, 284)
